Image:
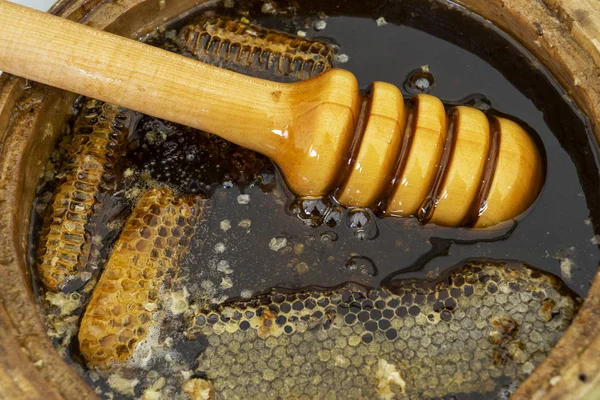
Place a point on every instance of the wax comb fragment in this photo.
(254, 50)
(65, 237)
(419, 339)
(125, 303)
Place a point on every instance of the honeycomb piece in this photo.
(64, 241)
(253, 50)
(484, 324)
(198, 389)
(125, 303)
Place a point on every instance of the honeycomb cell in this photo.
(115, 321)
(254, 50)
(65, 240)
(323, 351)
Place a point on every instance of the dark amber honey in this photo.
(253, 238)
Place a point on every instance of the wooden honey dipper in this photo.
(456, 169)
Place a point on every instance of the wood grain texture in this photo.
(427, 128)
(546, 28)
(304, 127)
(307, 127)
(18, 378)
(42, 110)
(566, 53)
(31, 118)
(582, 17)
(470, 146)
(378, 149)
(519, 168)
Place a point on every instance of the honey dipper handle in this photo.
(272, 118)
(473, 171)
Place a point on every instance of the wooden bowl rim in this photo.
(563, 34)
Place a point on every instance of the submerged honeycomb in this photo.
(247, 48)
(459, 335)
(481, 326)
(65, 238)
(192, 161)
(126, 300)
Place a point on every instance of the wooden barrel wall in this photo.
(563, 34)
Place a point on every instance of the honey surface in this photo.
(273, 296)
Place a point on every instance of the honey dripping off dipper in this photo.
(457, 169)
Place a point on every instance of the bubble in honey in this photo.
(329, 236)
(361, 222)
(419, 81)
(361, 264)
(478, 101)
(358, 218)
(310, 210)
(334, 216)
(425, 211)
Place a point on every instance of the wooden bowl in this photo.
(31, 117)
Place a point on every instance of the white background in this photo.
(43, 5)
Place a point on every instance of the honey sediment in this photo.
(127, 299)
(65, 238)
